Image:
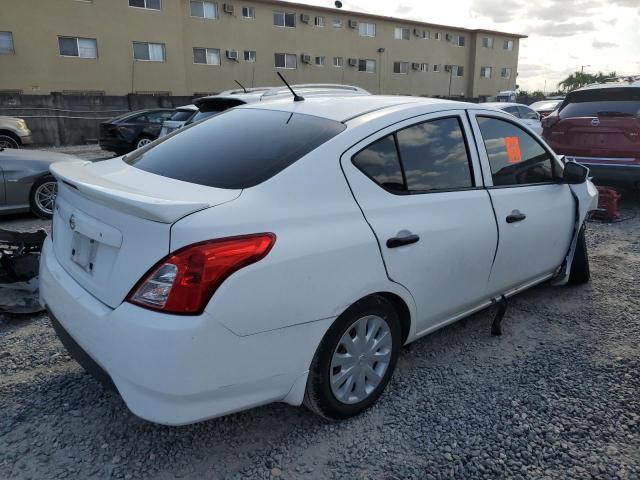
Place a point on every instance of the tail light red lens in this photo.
(184, 282)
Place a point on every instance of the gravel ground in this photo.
(557, 396)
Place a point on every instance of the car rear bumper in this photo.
(615, 170)
(173, 369)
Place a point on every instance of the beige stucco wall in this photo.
(36, 67)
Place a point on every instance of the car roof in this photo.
(501, 105)
(633, 83)
(345, 108)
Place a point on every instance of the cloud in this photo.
(566, 29)
(598, 44)
(402, 9)
(499, 12)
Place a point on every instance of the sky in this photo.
(563, 35)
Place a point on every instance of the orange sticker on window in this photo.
(512, 145)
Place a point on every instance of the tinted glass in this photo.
(137, 3)
(380, 162)
(154, 4)
(238, 149)
(515, 157)
(181, 115)
(141, 51)
(527, 113)
(68, 46)
(158, 117)
(512, 110)
(202, 115)
(434, 156)
(621, 102)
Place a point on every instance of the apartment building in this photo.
(193, 47)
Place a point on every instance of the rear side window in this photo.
(430, 156)
(238, 149)
(512, 110)
(614, 102)
(515, 157)
(434, 156)
(527, 113)
(380, 162)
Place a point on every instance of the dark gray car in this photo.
(26, 184)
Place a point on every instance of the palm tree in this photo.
(580, 79)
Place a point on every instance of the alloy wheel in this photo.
(45, 196)
(143, 142)
(360, 359)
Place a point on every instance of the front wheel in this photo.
(43, 196)
(143, 142)
(580, 271)
(8, 141)
(355, 360)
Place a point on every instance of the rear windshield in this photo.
(212, 107)
(238, 149)
(181, 115)
(612, 102)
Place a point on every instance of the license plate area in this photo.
(83, 251)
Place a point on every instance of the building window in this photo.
(320, 61)
(401, 33)
(78, 47)
(424, 34)
(249, 55)
(458, 40)
(149, 52)
(508, 45)
(150, 4)
(505, 73)
(286, 60)
(248, 12)
(485, 72)
(424, 67)
(487, 42)
(208, 10)
(367, 29)
(319, 21)
(436, 68)
(437, 36)
(338, 62)
(206, 56)
(283, 19)
(457, 70)
(368, 66)
(401, 67)
(6, 43)
(337, 22)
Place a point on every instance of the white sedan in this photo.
(527, 115)
(286, 251)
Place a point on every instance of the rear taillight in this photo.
(184, 282)
(551, 119)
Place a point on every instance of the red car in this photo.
(599, 126)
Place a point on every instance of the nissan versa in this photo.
(285, 251)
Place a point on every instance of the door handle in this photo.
(516, 216)
(396, 242)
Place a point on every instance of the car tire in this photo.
(580, 271)
(9, 141)
(42, 196)
(143, 141)
(335, 396)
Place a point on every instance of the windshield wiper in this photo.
(613, 113)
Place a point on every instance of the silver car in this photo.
(14, 133)
(27, 184)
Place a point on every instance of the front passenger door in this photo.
(535, 211)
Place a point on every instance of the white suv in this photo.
(285, 251)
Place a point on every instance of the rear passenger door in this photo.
(534, 209)
(419, 186)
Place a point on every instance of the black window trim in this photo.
(516, 124)
(404, 179)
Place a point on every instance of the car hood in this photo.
(37, 155)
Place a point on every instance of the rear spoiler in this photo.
(99, 189)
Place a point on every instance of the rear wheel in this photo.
(355, 360)
(580, 271)
(9, 141)
(43, 196)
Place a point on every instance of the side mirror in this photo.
(574, 173)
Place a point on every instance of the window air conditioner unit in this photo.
(353, 62)
(353, 24)
(232, 54)
(305, 18)
(228, 8)
(447, 68)
(306, 58)
(415, 66)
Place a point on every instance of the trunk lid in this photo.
(604, 136)
(112, 222)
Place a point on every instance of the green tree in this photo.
(581, 79)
